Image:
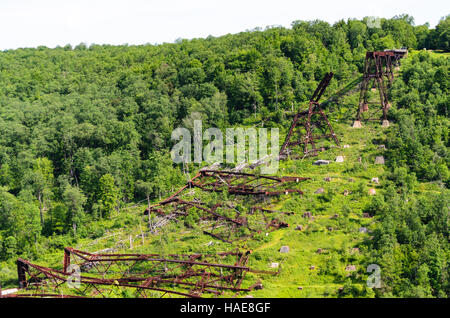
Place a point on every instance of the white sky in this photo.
(30, 23)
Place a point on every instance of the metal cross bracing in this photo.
(398, 54)
(224, 222)
(305, 122)
(195, 273)
(43, 280)
(378, 73)
(240, 183)
(188, 275)
(377, 68)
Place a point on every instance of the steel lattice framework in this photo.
(220, 224)
(378, 70)
(149, 275)
(225, 222)
(398, 54)
(240, 183)
(305, 122)
(42, 280)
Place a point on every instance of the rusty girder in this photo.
(87, 261)
(240, 183)
(45, 280)
(221, 225)
(225, 221)
(306, 121)
(398, 54)
(379, 68)
(178, 275)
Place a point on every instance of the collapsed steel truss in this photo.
(187, 275)
(43, 280)
(237, 183)
(272, 222)
(240, 183)
(223, 225)
(306, 121)
(224, 221)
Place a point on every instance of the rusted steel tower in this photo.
(398, 54)
(306, 121)
(378, 71)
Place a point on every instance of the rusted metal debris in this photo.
(240, 183)
(306, 121)
(187, 275)
(47, 280)
(224, 222)
(222, 225)
(220, 221)
(237, 183)
(398, 54)
(258, 208)
(379, 69)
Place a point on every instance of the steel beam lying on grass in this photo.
(240, 183)
(188, 275)
(218, 224)
(221, 223)
(45, 280)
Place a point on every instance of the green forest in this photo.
(85, 134)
